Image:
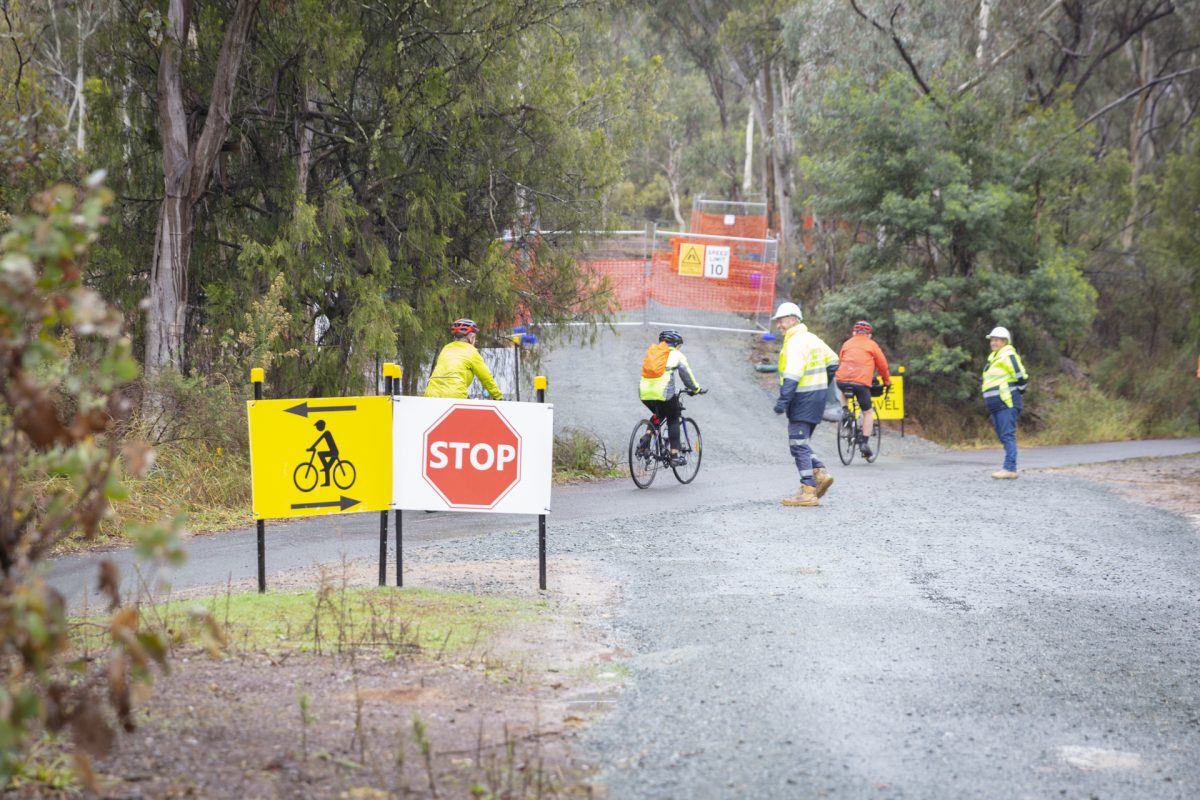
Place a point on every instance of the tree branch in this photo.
(895, 37)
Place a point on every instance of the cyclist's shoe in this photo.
(806, 497)
(1005, 475)
(643, 448)
(865, 449)
(824, 481)
(678, 459)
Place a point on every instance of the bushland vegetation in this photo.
(315, 188)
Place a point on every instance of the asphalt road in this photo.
(926, 633)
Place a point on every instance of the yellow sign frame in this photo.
(889, 405)
(691, 259)
(286, 483)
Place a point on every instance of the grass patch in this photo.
(334, 620)
(1078, 413)
(582, 455)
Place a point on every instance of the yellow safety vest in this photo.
(1003, 370)
(805, 359)
(663, 386)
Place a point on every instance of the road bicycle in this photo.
(341, 473)
(850, 427)
(650, 449)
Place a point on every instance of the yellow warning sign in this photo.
(889, 405)
(691, 259)
(320, 455)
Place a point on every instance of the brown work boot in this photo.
(824, 480)
(807, 496)
(1004, 475)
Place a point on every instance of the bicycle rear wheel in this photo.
(847, 434)
(643, 461)
(876, 437)
(690, 449)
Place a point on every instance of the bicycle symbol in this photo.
(335, 468)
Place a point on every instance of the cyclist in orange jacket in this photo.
(858, 360)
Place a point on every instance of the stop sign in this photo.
(472, 456)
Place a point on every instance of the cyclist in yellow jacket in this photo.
(659, 395)
(459, 364)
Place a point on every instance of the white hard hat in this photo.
(788, 310)
(1000, 332)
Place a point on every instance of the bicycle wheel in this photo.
(344, 474)
(876, 437)
(305, 477)
(847, 435)
(643, 461)
(689, 448)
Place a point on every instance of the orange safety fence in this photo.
(748, 289)
(743, 226)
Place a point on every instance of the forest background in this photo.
(317, 186)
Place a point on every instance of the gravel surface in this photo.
(926, 633)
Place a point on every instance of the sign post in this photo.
(539, 383)
(472, 455)
(256, 377)
(397, 519)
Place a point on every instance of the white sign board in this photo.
(716, 262)
(471, 455)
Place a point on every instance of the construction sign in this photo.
(716, 262)
(691, 259)
(320, 456)
(472, 455)
(890, 404)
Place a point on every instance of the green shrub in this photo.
(581, 454)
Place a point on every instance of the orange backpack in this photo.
(655, 362)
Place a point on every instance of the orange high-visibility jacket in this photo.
(859, 359)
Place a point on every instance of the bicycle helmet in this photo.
(672, 338)
(463, 327)
(862, 326)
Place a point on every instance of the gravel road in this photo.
(926, 633)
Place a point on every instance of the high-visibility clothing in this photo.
(858, 360)
(1004, 373)
(456, 367)
(663, 387)
(806, 365)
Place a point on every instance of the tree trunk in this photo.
(187, 168)
(747, 170)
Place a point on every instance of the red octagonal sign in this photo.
(472, 456)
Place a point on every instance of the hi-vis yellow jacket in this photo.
(806, 365)
(1003, 373)
(457, 366)
(663, 387)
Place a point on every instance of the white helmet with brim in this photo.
(788, 310)
(1000, 332)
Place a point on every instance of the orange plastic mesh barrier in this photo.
(749, 287)
(744, 226)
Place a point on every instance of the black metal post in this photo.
(256, 376)
(517, 347)
(383, 532)
(399, 547)
(540, 383)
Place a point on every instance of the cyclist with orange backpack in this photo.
(657, 389)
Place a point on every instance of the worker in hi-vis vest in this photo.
(806, 366)
(1004, 380)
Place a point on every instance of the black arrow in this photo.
(343, 503)
(303, 410)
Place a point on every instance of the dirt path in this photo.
(1172, 484)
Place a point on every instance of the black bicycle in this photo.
(851, 426)
(650, 449)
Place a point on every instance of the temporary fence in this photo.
(746, 220)
(687, 271)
